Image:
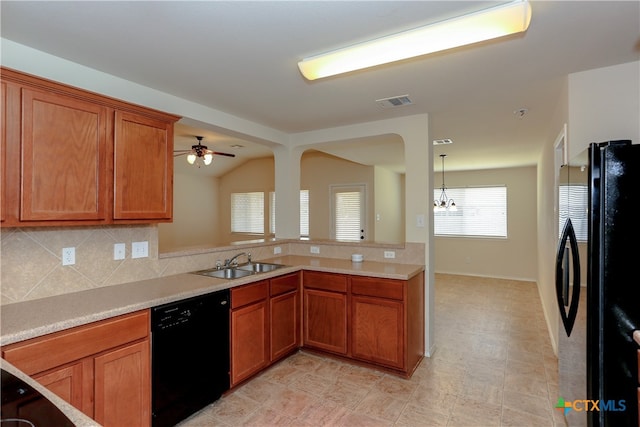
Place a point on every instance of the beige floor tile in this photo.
(514, 418)
(493, 366)
(290, 402)
(419, 415)
(234, 409)
(355, 419)
(381, 406)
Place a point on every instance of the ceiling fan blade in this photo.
(223, 154)
(180, 153)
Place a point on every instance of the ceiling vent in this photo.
(442, 141)
(394, 101)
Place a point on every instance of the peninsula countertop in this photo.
(30, 319)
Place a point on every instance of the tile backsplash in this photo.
(31, 258)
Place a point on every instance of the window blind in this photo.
(482, 212)
(247, 212)
(574, 204)
(348, 208)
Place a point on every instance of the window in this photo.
(348, 212)
(482, 212)
(247, 213)
(304, 212)
(574, 204)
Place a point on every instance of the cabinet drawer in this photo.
(325, 281)
(383, 288)
(42, 353)
(247, 294)
(284, 284)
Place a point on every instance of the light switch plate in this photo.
(277, 250)
(139, 249)
(314, 250)
(389, 254)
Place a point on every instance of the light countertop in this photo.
(29, 319)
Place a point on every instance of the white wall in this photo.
(547, 219)
(512, 258)
(388, 206)
(318, 172)
(598, 105)
(195, 214)
(604, 104)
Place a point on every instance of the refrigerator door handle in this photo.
(568, 316)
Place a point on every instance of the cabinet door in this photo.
(64, 151)
(249, 341)
(143, 168)
(325, 320)
(377, 332)
(285, 322)
(123, 386)
(73, 383)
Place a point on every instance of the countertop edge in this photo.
(154, 297)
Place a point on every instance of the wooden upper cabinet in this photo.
(73, 157)
(143, 167)
(64, 152)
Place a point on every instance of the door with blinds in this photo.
(348, 212)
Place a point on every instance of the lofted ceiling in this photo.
(241, 57)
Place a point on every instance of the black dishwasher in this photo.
(189, 356)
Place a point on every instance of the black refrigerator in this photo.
(598, 358)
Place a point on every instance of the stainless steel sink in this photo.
(259, 267)
(224, 273)
(242, 270)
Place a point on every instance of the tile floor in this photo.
(493, 366)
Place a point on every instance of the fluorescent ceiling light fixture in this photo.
(499, 21)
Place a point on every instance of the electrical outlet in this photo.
(389, 254)
(119, 251)
(277, 250)
(314, 249)
(68, 256)
(139, 249)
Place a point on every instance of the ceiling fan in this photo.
(200, 153)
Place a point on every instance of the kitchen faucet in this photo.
(234, 260)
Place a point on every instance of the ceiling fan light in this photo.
(499, 21)
(191, 158)
(208, 158)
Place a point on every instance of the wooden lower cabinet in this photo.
(325, 320)
(249, 330)
(377, 332)
(284, 314)
(102, 369)
(119, 377)
(325, 312)
(265, 324)
(73, 383)
(372, 320)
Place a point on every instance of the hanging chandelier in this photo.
(444, 203)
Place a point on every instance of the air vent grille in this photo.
(442, 141)
(394, 101)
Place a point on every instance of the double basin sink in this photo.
(241, 270)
